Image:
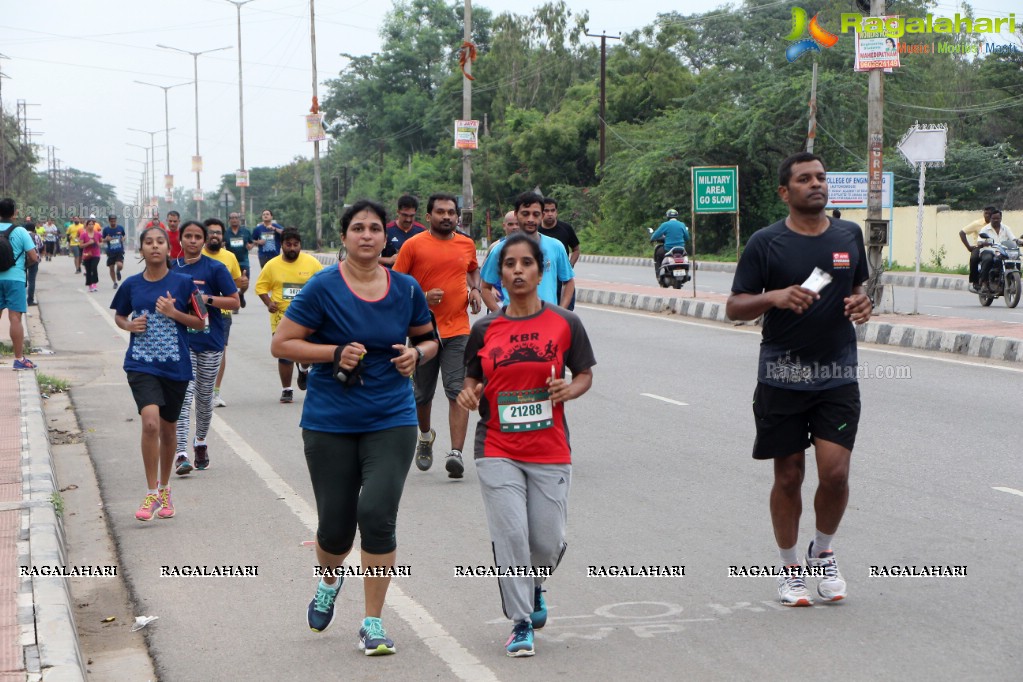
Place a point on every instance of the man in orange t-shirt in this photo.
(444, 263)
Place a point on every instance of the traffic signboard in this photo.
(716, 189)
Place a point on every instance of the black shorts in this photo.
(227, 319)
(50, 247)
(149, 389)
(114, 258)
(787, 421)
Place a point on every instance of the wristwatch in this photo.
(209, 300)
(419, 360)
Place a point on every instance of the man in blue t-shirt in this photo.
(556, 267)
(113, 237)
(267, 237)
(12, 280)
(674, 233)
(402, 229)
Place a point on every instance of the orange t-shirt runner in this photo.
(442, 264)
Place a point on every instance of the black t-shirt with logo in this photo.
(814, 350)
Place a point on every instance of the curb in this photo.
(49, 635)
(880, 333)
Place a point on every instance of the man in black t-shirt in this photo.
(805, 275)
(563, 232)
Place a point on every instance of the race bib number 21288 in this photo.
(525, 410)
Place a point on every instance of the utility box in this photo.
(877, 232)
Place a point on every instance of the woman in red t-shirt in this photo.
(90, 254)
(515, 369)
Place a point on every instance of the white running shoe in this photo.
(832, 585)
(218, 401)
(792, 587)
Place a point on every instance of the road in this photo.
(941, 302)
(662, 475)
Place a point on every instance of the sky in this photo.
(74, 63)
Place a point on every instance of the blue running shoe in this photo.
(521, 641)
(320, 613)
(539, 615)
(373, 640)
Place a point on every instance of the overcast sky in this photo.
(77, 62)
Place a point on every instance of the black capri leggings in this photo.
(91, 271)
(357, 481)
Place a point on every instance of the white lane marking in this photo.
(667, 400)
(1011, 491)
(942, 307)
(868, 348)
(459, 660)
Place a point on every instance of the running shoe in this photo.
(832, 585)
(539, 615)
(115, 285)
(373, 640)
(24, 363)
(166, 506)
(202, 457)
(148, 508)
(303, 376)
(118, 276)
(424, 451)
(287, 395)
(181, 464)
(217, 400)
(521, 641)
(320, 613)
(453, 464)
(792, 587)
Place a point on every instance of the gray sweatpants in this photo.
(527, 509)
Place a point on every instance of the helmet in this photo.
(672, 213)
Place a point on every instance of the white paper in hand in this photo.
(817, 280)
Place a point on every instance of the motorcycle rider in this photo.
(673, 232)
(996, 232)
(972, 230)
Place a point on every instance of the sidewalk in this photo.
(38, 638)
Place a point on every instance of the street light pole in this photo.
(241, 107)
(145, 176)
(152, 148)
(166, 117)
(317, 186)
(195, 80)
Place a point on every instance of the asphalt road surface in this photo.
(942, 302)
(662, 476)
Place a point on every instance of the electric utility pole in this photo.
(603, 91)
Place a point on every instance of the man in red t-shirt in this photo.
(444, 263)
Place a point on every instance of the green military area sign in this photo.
(716, 189)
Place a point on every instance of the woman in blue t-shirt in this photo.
(155, 306)
(218, 292)
(359, 417)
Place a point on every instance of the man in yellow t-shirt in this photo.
(73, 229)
(215, 250)
(280, 280)
(970, 232)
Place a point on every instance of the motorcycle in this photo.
(673, 268)
(1004, 277)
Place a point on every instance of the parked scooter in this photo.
(673, 268)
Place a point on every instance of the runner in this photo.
(805, 327)
(444, 264)
(206, 347)
(267, 236)
(558, 284)
(157, 361)
(113, 237)
(401, 229)
(12, 280)
(73, 231)
(214, 249)
(358, 435)
(279, 282)
(552, 226)
(173, 233)
(51, 235)
(90, 251)
(239, 242)
(523, 455)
